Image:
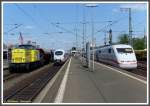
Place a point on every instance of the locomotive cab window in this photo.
(58, 53)
(124, 50)
(26, 47)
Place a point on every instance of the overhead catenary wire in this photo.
(81, 22)
(13, 28)
(62, 28)
(26, 13)
(112, 23)
(88, 22)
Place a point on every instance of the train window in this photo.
(109, 50)
(58, 53)
(26, 47)
(99, 51)
(124, 50)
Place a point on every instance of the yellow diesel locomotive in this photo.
(24, 56)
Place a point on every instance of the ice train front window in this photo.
(124, 50)
(58, 53)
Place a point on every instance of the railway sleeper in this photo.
(28, 93)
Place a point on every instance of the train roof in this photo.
(114, 45)
(59, 50)
(122, 46)
(26, 46)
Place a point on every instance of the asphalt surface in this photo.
(101, 86)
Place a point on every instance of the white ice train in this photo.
(120, 55)
(59, 56)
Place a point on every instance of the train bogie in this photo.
(19, 67)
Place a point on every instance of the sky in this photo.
(60, 25)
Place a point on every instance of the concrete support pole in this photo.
(88, 55)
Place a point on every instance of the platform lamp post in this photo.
(92, 21)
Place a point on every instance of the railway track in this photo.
(142, 65)
(141, 68)
(26, 91)
(11, 76)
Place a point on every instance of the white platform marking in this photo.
(61, 91)
(45, 90)
(123, 73)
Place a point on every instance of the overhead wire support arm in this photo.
(13, 28)
(110, 24)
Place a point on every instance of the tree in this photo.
(138, 43)
(123, 39)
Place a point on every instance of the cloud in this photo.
(135, 6)
(115, 10)
(29, 27)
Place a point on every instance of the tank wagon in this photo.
(45, 56)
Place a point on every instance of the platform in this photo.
(101, 86)
(5, 64)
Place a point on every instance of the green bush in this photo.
(141, 55)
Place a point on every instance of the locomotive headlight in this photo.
(134, 62)
(121, 61)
